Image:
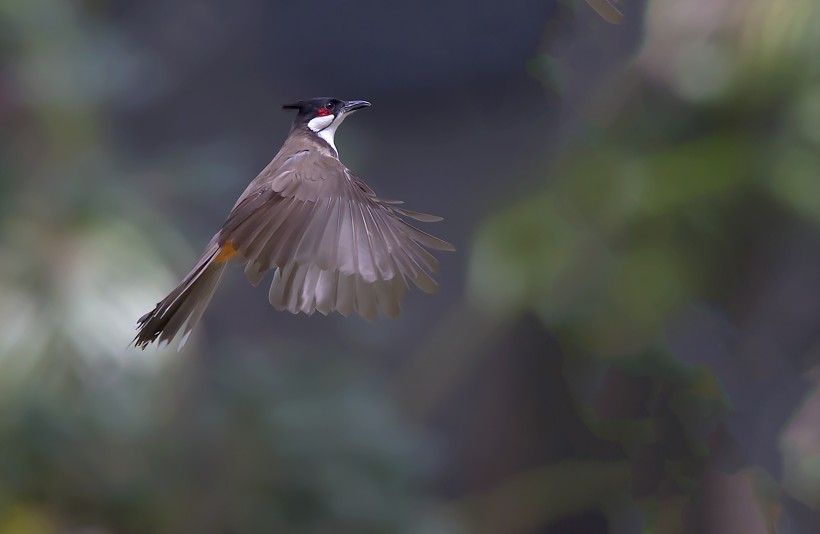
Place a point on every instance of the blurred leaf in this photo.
(535, 254)
(692, 172)
(641, 289)
(22, 519)
(797, 182)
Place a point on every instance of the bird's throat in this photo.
(327, 134)
(325, 127)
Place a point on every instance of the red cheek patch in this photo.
(322, 112)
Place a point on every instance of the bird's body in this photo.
(334, 245)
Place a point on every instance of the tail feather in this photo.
(183, 306)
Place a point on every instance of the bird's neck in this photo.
(325, 128)
(303, 138)
(328, 133)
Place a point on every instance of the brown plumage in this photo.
(333, 243)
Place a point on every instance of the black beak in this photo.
(353, 105)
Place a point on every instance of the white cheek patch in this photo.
(318, 124)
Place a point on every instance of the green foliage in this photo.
(658, 210)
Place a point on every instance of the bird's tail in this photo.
(185, 304)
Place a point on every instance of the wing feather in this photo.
(366, 298)
(327, 253)
(262, 255)
(334, 244)
(424, 238)
(308, 250)
(347, 262)
(363, 245)
(423, 217)
(326, 291)
(290, 234)
(385, 264)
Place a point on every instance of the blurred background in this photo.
(627, 340)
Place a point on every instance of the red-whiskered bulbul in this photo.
(334, 244)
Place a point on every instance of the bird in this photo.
(333, 244)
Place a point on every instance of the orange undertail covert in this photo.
(225, 253)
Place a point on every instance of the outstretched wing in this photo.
(336, 245)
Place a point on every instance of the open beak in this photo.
(353, 105)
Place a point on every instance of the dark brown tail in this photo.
(184, 305)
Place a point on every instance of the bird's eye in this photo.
(325, 110)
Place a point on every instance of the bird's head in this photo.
(323, 115)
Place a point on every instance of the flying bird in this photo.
(333, 244)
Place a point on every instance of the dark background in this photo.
(626, 340)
